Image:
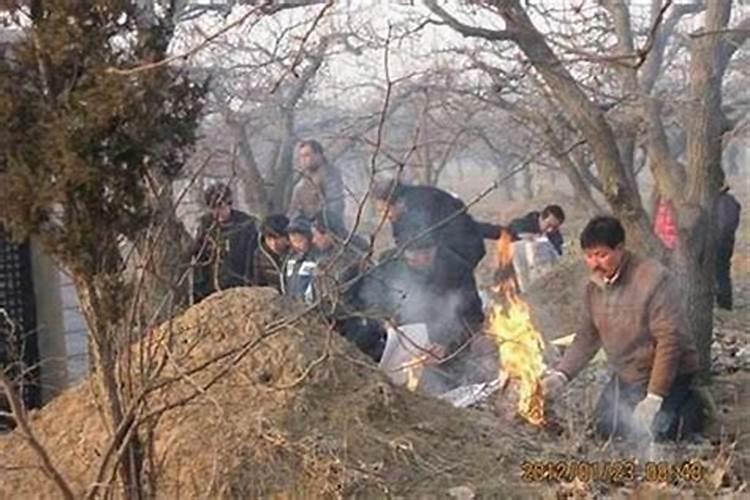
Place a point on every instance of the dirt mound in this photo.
(251, 402)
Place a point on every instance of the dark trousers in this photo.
(681, 414)
(724, 252)
(368, 335)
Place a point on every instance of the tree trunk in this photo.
(527, 183)
(103, 300)
(704, 146)
(256, 194)
(588, 118)
(160, 279)
(283, 167)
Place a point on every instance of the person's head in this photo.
(603, 243)
(300, 234)
(310, 155)
(218, 199)
(419, 248)
(274, 231)
(388, 200)
(551, 219)
(325, 230)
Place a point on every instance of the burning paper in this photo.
(520, 345)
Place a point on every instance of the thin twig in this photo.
(19, 415)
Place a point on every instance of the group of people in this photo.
(632, 308)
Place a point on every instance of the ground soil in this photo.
(255, 402)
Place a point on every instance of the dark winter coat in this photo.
(459, 239)
(224, 254)
(269, 267)
(335, 273)
(727, 216)
(529, 223)
(300, 269)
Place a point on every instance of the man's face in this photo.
(391, 211)
(277, 244)
(307, 159)
(603, 261)
(299, 242)
(420, 259)
(550, 224)
(222, 211)
(321, 240)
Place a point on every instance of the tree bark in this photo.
(704, 146)
(256, 193)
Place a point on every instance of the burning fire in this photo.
(414, 370)
(520, 345)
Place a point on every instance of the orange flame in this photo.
(414, 370)
(520, 345)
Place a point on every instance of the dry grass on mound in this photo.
(248, 404)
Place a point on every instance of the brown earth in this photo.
(298, 413)
(289, 410)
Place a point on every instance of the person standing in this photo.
(320, 187)
(632, 310)
(224, 246)
(728, 220)
(273, 249)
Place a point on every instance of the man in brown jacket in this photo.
(632, 310)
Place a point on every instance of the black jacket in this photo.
(224, 254)
(269, 267)
(727, 216)
(529, 223)
(428, 206)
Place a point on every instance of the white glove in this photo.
(645, 412)
(553, 383)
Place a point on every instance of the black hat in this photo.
(300, 224)
(275, 225)
(217, 194)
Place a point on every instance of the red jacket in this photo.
(665, 223)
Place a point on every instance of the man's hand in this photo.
(645, 412)
(553, 383)
(435, 354)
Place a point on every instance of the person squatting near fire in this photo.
(272, 252)
(431, 208)
(224, 246)
(319, 188)
(632, 309)
(418, 284)
(546, 223)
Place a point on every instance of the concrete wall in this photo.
(50, 326)
(75, 331)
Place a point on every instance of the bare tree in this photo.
(612, 137)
